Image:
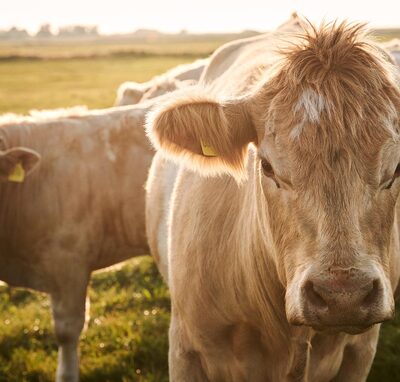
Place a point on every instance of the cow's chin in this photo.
(342, 329)
(334, 329)
(332, 324)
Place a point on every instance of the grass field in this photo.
(95, 48)
(127, 335)
(126, 339)
(52, 75)
(46, 84)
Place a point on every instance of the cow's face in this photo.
(328, 141)
(331, 194)
(326, 129)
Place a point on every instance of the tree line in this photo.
(47, 32)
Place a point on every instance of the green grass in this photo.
(45, 84)
(83, 48)
(126, 339)
(387, 360)
(54, 74)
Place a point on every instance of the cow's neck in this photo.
(225, 259)
(264, 291)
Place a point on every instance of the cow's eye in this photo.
(267, 168)
(269, 171)
(395, 176)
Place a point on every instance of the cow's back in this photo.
(84, 205)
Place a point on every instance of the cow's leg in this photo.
(68, 306)
(358, 357)
(184, 365)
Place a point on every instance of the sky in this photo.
(193, 15)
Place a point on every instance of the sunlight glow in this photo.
(195, 16)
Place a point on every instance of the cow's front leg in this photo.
(68, 307)
(184, 364)
(358, 356)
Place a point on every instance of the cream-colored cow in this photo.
(271, 208)
(80, 210)
(83, 209)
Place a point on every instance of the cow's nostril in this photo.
(373, 294)
(313, 296)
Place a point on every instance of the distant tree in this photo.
(64, 32)
(93, 30)
(14, 33)
(146, 34)
(44, 31)
(78, 31)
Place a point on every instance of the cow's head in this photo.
(326, 127)
(16, 163)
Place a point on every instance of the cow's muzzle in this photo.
(347, 300)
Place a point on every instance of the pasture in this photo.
(126, 339)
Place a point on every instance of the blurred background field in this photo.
(55, 73)
(44, 83)
(47, 84)
(52, 73)
(126, 339)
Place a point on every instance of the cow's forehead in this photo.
(330, 96)
(310, 123)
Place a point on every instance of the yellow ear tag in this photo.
(208, 150)
(17, 174)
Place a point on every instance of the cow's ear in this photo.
(211, 136)
(17, 163)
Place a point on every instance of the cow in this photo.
(272, 208)
(71, 202)
(184, 75)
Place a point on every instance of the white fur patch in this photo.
(297, 130)
(169, 177)
(312, 105)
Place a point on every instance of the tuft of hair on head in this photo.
(330, 49)
(341, 63)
